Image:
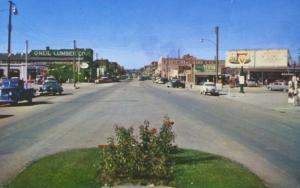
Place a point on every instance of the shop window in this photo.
(1, 73)
(14, 73)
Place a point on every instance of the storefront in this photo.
(262, 65)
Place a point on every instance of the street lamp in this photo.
(12, 10)
(217, 50)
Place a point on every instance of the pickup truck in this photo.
(12, 91)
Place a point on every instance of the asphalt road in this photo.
(265, 141)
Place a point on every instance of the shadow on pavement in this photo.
(5, 116)
(30, 104)
(66, 94)
(63, 94)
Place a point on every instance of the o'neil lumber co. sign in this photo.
(62, 53)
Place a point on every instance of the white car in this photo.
(278, 86)
(209, 87)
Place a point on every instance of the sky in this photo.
(136, 32)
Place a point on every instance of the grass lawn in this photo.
(79, 168)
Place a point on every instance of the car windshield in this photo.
(150, 93)
(51, 83)
(210, 84)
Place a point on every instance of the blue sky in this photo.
(136, 32)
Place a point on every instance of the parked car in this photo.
(209, 87)
(51, 87)
(141, 78)
(176, 83)
(154, 79)
(12, 91)
(157, 80)
(115, 79)
(103, 80)
(251, 83)
(162, 80)
(278, 86)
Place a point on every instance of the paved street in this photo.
(266, 141)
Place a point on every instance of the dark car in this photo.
(162, 80)
(176, 83)
(51, 87)
(12, 91)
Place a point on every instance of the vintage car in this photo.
(103, 80)
(12, 91)
(51, 87)
(175, 84)
(209, 87)
(278, 86)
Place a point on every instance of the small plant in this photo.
(145, 159)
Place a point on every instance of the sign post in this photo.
(242, 57)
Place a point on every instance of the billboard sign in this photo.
(257, 58)
(205, 68)
(88, 53)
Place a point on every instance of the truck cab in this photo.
(12, 91)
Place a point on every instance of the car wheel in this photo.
(15, 103)
(29, 100)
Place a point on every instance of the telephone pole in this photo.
(9, 39)
(217, 52)
(26, 63)
(299, 56)
(12, 9)
(74, 61)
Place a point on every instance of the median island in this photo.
(151, 158)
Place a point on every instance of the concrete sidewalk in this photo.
(260, 97)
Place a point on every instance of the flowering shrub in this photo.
(143, 159)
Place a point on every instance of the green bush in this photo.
(140, 160)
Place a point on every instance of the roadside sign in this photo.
(242, 58)
(84, 65)
(242, 79)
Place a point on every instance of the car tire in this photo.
(29, 100)
(15, 103)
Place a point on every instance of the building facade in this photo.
(189, 69)
(261, 65)
(38, 62)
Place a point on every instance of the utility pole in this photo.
(74, 61)
(78, 68)
(26, 63)
(299, 57)
(12, 9)
(217, 52)
(167, 67)
(9, 39)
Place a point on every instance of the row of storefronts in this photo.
(260, 65)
